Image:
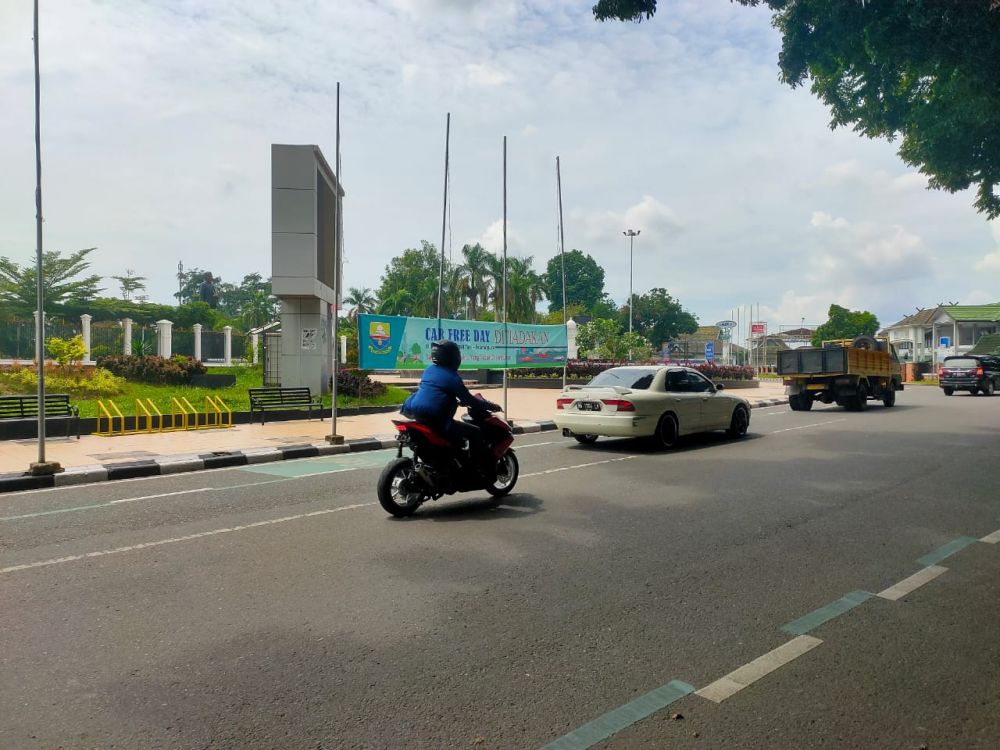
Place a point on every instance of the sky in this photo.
(158, 117)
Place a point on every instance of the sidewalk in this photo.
(95, 458)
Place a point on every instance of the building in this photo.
(690, 347)
(931, 334)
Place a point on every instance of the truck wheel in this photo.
(889, 398)
(800, 402)
(860, 400)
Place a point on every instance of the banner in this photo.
(389, 342)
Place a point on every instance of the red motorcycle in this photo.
(439, 467)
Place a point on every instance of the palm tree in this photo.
(524, 288)
(397, 303)
(362, 299)
(475, 283)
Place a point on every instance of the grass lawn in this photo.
(235, 397)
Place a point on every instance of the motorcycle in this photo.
(438, 467)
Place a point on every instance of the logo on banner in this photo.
(378, 337)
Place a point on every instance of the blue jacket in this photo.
(436, 400)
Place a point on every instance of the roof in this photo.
(973, 312)
(704, 333)
(988, 344)
(922, 317)
(800, 332)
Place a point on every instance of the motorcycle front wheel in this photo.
(507, 472)
(398, 492)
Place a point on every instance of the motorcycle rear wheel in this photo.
(395, 497)
(507, 473)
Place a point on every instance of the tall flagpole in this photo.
(506, 338)
(333, 438)
(444, 216)
(562, 260)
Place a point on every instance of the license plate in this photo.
(588, 406)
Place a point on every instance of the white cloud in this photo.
(653, 219)
(855, 174)
(991, 261)
(867, 253)
(492, 239)
(529, 130)
(485, 75)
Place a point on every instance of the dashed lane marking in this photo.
(907, 585)
(577, 466)
(993, 538)
(732, 683)
(805, 426)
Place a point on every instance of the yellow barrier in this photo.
(148, 417)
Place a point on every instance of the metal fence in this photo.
(106, 339)
(182, 342)
(17, 337)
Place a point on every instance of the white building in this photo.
(931, 334)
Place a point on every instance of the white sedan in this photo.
(662, 403)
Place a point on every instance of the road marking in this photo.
(577, 466)
(947, 550)
(732, 683)
(993, 538)
(535, 445)
(804, 426)
(907, 585)
(612, 722)
(824, 614)
(178, 539)
(112, 503)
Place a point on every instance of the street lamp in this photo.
(631, 234)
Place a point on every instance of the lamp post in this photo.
(631, 234)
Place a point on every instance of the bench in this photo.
(57, 406)
(264, 399)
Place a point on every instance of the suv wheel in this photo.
(987, 388)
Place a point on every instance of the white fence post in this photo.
(254, 342)
(197, 341)
(127, 337)
(227, 345)
(164, 332)
(571, 348)
(85, 330)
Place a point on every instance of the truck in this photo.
(848, 372)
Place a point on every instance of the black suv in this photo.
(974, 373)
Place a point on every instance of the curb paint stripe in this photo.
(614, 721)
(946, 550)
(732, 683)
(178, 539)
(824, 614)
(898, 590)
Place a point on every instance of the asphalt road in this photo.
(278, 607)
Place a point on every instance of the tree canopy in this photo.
(584, 281)
(659, 317)
(922, 71)
(845, 324)
(63, 281)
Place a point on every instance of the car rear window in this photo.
(961, 362)
(637, 378)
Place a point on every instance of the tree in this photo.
(845, 324)
(130, 283)
(410, 282)
(925, 72)
(604, 339)
(659, 317)
(362, 299)
(475, 277)
(190, 285)
(18, 283)
(584, 281)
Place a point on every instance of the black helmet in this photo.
(447, 354)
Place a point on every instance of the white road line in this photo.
(533, 445)
(804, 426)
(162, 494)
(993, 538)
(577, 466)
(899, 590)
(732, 683)
(177, 539)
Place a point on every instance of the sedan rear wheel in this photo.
(585, 439)
(667, 432)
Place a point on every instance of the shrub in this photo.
(66, 351)
(96, 383)
(358, 384)
(177, 370)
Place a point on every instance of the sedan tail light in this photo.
(562, 403)
(622, 404)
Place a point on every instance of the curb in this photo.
(166, 465)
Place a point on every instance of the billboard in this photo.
(391, 342)
(758, 328)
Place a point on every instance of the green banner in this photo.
(389, 342)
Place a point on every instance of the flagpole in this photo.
(562, 260)
(334, 438)
(506, 338)
(444, 217)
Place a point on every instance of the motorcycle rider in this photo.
(440, 392)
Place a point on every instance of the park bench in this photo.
(25, 409)
(269, 399)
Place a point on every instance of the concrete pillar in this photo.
(127, 337)
(164, 334)
(254, 344)
(197, 341)
(227, 344)
(85, 330)
(306, 348)
(571, 347)
(343, 351)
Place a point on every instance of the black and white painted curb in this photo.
(165, 465)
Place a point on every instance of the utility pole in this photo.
(631, 234)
